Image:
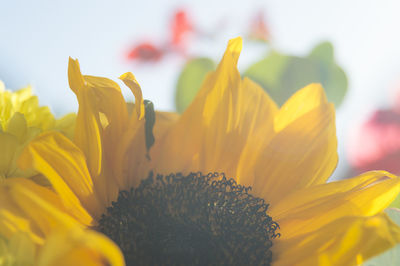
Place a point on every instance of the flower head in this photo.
(21, 120)
(272, 205)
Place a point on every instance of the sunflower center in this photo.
(190, 220)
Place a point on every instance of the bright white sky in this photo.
(38, 36)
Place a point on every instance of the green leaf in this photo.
(392, 256)
(268, 71)
(299, 73)
(190, 80)
(282, 75)
(335, 85)
(323, 52)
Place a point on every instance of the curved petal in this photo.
(108, 100)
(80, 247)
(302, 154)
(32, 209)
(130, 81)
(346, 241)
(311, 208)
(64, 165)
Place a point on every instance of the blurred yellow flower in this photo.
(21, 120)
(292, 216)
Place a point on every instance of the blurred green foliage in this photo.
(396, 203)
(190, 80)
(280, 75)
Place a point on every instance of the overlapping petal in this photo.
(32, 209)
(87, 129)
(213, 131)
(85, 247)
(106, 133)
(349, 240)
(57, 158)
(308, 145)
(311, 208)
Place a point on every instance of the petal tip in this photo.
(127, 76)
(75, 78)
(235, 44)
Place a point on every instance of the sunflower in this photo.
(21, 120)
(233, 180)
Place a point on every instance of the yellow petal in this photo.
(300, 103)
(100, 100)
(131, 82)
(80, 247)
(346, 241)
(30, 208)
(36, 115)
(129, 149)
(66, 125)
(19, 250)
(13, 219)
(87, 131)
(261, 113)
(164, 122)
(17, 126)
(9, 146)
(108, 99)
(304, 153)
(212, 133)
(309, 209)
(64, 165)
(75, 78)
(137, 168)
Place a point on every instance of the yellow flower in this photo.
(21, 120)
(291, 216)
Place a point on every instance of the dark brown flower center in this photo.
(190, 220)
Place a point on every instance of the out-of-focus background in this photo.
(37, 37)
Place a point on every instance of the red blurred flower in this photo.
(177, 41)
(376, 144)
(180, 27)
(145, 52)
(259, 29)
